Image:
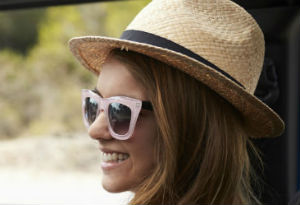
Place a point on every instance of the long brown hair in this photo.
(201, 148)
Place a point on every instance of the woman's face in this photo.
(138, 151)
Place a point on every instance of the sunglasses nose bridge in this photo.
(101, 105)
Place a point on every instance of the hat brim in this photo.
(260, 120)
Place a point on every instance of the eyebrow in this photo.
(97, 91)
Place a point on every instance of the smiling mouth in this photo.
(114, 157)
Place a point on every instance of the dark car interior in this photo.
(278, 87)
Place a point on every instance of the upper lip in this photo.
(107, 150)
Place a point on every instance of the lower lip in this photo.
(111, 165)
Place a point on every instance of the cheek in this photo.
(140, 163)
(142, 145)
(141, 150)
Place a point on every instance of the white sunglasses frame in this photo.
(135, 106)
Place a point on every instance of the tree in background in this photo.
(18, 29)
(41, 92)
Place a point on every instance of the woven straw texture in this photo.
(219, 31)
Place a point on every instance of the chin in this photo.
(115, 187)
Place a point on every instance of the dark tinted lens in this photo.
(119, 117)
(91, 107)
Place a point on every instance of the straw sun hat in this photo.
(215, 41)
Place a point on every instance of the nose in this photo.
(99, 128)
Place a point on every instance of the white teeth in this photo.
(108, 157)
(114, 157)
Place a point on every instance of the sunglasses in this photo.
(121, 112)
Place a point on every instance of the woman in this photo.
(173, 108)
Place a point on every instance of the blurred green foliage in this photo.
(18, 29)
(40, 79)
(120, 14)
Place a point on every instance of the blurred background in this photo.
(40, 79)
(46, 156)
